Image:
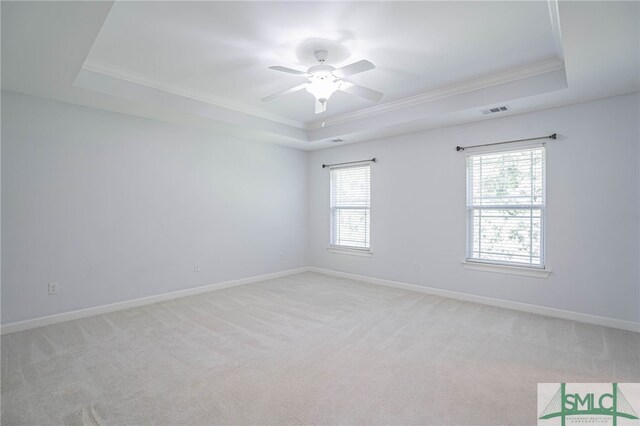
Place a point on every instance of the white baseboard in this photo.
(501, 303)
(103, 309)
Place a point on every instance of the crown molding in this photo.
(554, 16)
(444, 92)
(132, 77)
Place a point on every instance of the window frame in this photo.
(345, 249)
(493, 265)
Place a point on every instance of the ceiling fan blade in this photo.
(288, 70)
(285, 92)
(365, 92)
(355, 68)
(321, 107)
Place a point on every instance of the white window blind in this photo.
(350, 206)
(506, 207)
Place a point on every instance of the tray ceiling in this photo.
(222, 50)
(205, 64)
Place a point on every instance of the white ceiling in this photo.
(205, 64)
(224, 49)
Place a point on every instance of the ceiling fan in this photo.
(325, 80)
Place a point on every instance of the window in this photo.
(506, 207)
(350, 206)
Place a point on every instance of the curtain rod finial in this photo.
(553, 136)
(459, 148)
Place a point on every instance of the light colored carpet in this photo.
(304, 349)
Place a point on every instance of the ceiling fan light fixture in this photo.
(325, 80)
(322, 87)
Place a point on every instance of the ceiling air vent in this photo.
(495, 110)
(336, 140)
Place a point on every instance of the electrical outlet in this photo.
(196, 268)
(416, 266)
(53, 288)
(281, 256)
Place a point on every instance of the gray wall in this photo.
(418, 209)
(116, 208)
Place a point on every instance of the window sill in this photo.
(350, 251)
(506, 269)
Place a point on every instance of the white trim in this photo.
(501, 303)
(132, 77)
(497, 266)
(128, 304)
(494, 79)
(506, 269)
(350, 251)
(554, 16)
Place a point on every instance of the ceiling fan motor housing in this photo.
(321, 55)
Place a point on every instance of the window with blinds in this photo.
(350, 206)
(506, 207)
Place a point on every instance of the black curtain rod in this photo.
(373, 160)
(462, 148)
